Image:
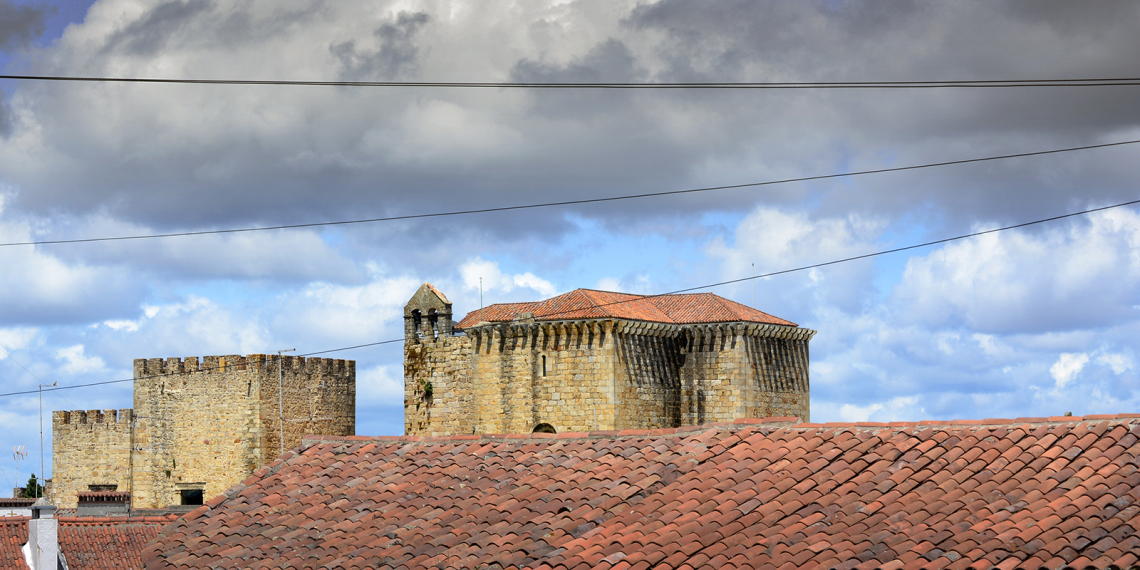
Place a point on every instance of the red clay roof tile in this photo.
(13, 535)
(686, 308)
(745, 495)
(106, 543)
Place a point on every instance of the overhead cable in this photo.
(201, 369)
(577, 202)
(686, 290)
(957, 84)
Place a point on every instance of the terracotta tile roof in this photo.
(20, 503)
(107, 543)
(685, 308)
(13, 536)
(1027, 493)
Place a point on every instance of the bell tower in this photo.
(427, 314)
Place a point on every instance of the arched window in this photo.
(544, 428)
(417, 320)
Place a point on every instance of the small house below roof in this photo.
(591, 359)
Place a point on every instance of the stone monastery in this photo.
(595, 360)
(198, 427)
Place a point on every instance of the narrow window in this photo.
(102, 488)
(544, 366)
(191, 496)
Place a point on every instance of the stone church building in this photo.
(199, 426)
(596, 360)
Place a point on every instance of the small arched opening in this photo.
(417, 320)
(544, 428)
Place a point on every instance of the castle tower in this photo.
(588, 360)
(199, 426)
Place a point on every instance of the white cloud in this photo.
(478, 273)
(1082, 275)
(379, 385)
(121, 325)
(1067, 367)
(1119, 362)
(896, 409)
(771, 239)
(76, 362)
(347, 314)
(640, 284)
(15, 339)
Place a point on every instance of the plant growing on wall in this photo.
(423, 393)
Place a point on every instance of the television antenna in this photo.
(19, 454)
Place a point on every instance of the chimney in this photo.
(42, 550)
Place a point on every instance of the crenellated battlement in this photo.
(154, 367)
(78, 417)
(556, 335)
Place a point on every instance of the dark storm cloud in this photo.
(261, 156)
(5, 116)
(20, 24)
(395, 56)
(152, 32)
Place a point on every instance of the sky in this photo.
(1037, 321)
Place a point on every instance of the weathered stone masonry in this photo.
(199, 425)
(586, 374)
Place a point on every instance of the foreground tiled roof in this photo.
(687, 308)
(107, 543)
(13, 535)
(1028, 493)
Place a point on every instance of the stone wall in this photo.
(437, 385)
(89, 448)
(509, 378)
(199, 426)
(318, 396)
(202, 424)
(648, 375)
(780, 377)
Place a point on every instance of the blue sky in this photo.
(1038, 321)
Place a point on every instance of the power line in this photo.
(988, 83)
(869, 255)
(202, 369)
(582, 201)
(686, 290)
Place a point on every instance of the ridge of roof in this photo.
(76, 520)
(785, 422)
(437, 292)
